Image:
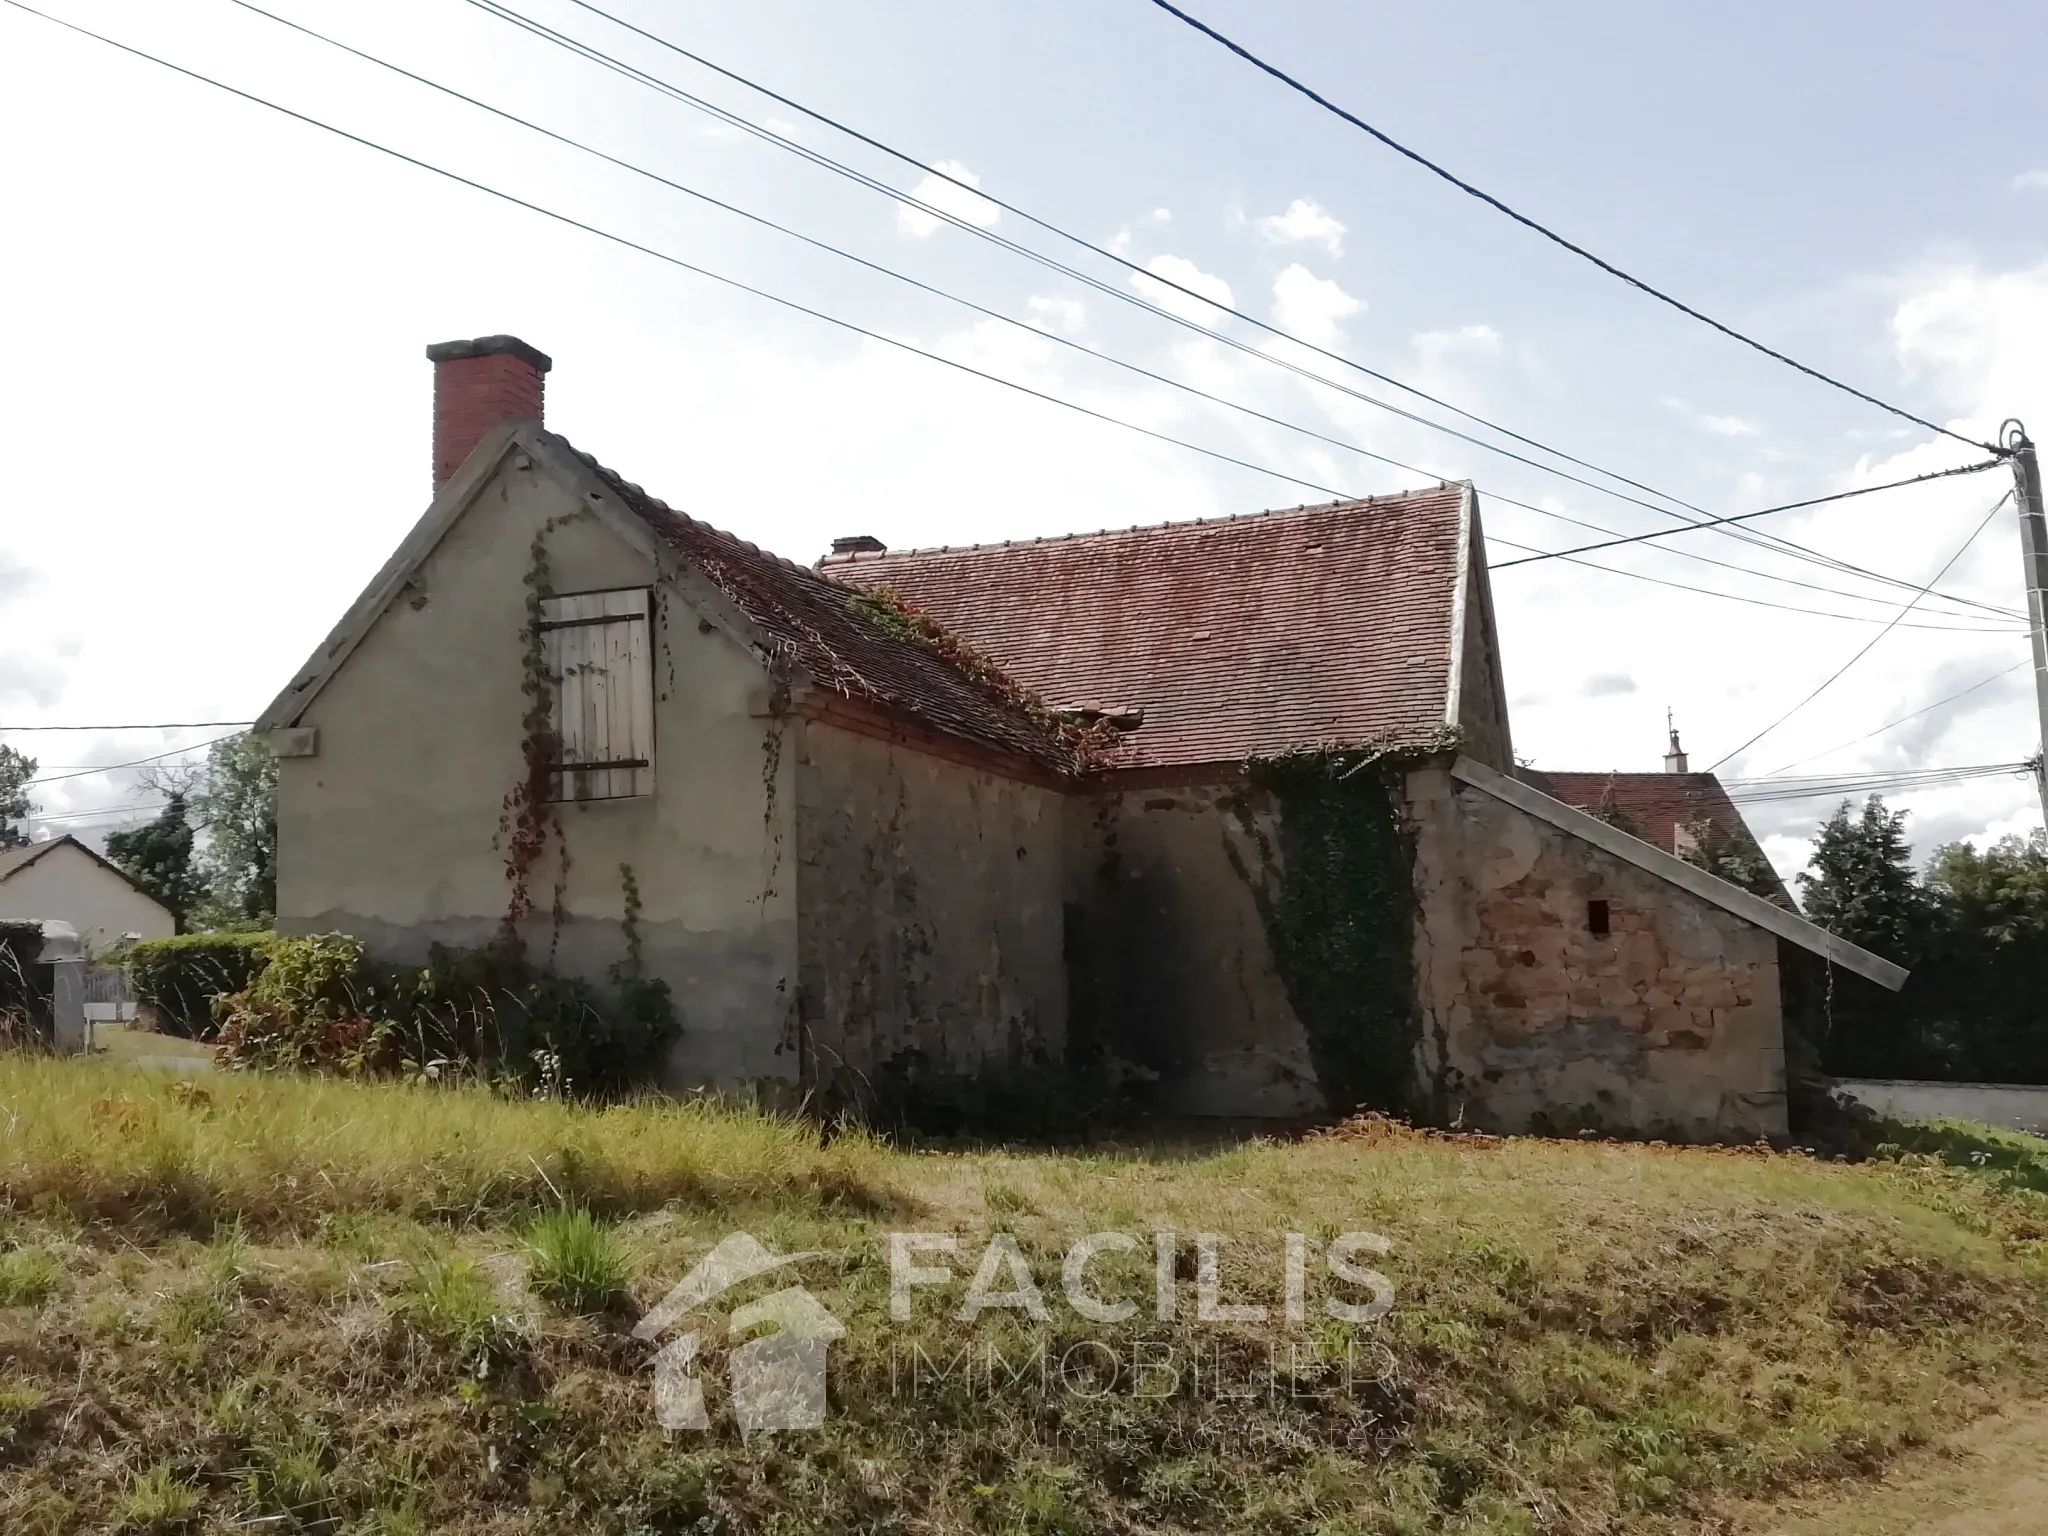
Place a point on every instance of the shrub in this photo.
(534, 1027)
(576, 1261)
(318, 1006)
(312, 1008)
(180, 979)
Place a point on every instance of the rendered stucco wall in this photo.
(931, 917)
(392, 831)
(1171, 964)
(67, 884)
(1670, 1025)
(2014, 1106)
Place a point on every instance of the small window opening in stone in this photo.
(1596, 917)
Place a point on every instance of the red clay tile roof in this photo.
(1656, 802)
(810, 622)
(1237, 637)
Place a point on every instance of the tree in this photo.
(236, 803)
(1736, 860)
(1862, 886)
(16, 770)
(158, 857)
(1985, 977)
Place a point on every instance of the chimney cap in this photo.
(858, 544)
(491, 346)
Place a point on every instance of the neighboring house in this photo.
(66, 880)
(1674, 809)
(855, 842)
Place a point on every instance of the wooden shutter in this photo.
(595, 647)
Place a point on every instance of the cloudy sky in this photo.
(213, 386)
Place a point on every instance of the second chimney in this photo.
(479, 385)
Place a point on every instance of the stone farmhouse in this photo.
(1231, 799)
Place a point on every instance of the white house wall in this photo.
(392, 831)
(69, 884)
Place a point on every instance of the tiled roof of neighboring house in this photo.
(12, 859)
(1237, 636)
(1659, 804)
(813, 623)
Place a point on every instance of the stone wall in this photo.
(929, 894)
(1669, 1024)
(1169, 957)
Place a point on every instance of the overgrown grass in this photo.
(1585, 1338)
(107, 1142)
(2009, 1159)
(576, 1261)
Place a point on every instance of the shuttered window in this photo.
(594, 645)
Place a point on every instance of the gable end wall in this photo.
(391, 832)
(1669, 1026)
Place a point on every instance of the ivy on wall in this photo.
(1336, 894)
(529, 817)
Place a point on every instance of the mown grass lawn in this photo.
(293, 1305)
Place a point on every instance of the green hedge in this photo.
(180, 978)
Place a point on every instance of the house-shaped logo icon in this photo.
(777, 1380)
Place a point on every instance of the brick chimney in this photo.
(479, 385)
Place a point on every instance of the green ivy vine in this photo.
(1336, 895)
(529, 817)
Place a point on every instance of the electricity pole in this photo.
(2026, 470)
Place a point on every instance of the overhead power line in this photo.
(1760, 602)
(1552, 235)
(988, 313)
(86, 772)
(727, 281)
(760, 293)
(1835, 676)
(1741, 517)
(653, 82)
(104, 813)
(1982, 682)
(171, 725)
(1820, 786)
(678, 262)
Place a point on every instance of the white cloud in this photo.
(1303, 223)
(1720, 426)
(1185, 274)
(1309, 307)
(1730, 426)
(1434, 346)
(948, 197)
(1063, 315)
(2030, 180)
